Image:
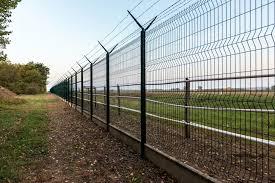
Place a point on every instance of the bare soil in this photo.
(4, 92)
(80, 151)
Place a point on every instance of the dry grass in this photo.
(8, 97)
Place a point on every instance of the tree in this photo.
(43, 70)
(5, 13)
(30, 78)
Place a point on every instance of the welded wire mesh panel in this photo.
(125, 87)
(99, 90)
(86, 89)
(210, 88)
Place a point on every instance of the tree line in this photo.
(30, 78)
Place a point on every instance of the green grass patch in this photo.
(257, 124)
(23, 135)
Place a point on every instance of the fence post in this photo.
(64, 89)
(81, 87)
(104, 98)
(71, 90)
(75, 90)
(272, 164)
(91, 91)
(118, 99)
(61, 89)
(143, 94)
(67, 92)
(107, 83)
(67, 89)
(108, 90)
(186, 112)
(82, 95)
(58, 89)
(91, 87)
(75, 95)
(142, 83)
(95, 97)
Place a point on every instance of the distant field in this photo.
(221, 115)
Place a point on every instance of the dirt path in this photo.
(80, 151)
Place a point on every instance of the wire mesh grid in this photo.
(99, 88)
(210, 88)
(86, 89)
(78, 88)
(210, 69)
(125, 87)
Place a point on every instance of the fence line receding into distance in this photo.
(199, 86)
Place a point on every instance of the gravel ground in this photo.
(223, 157)
(80, 151)
(226, 158)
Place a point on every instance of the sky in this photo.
(58, 33)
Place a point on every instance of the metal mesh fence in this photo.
(125, 87)
(99, 79)
(86, 89)
(209, 74)
(210, 88)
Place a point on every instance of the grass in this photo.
(257, 124)
(11, 101)
(23, 135)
